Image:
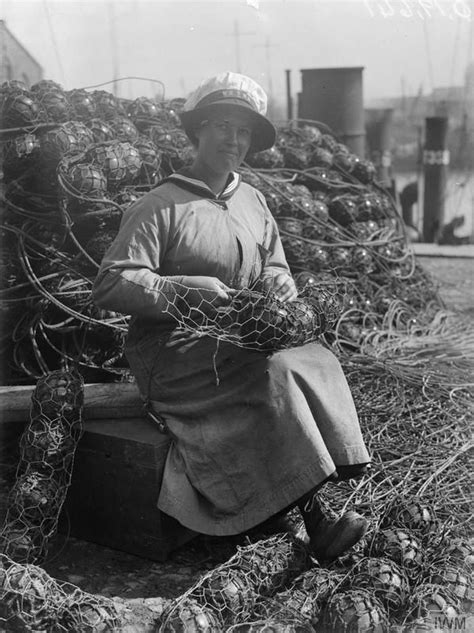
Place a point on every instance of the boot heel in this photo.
(332, 539)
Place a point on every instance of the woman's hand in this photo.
(283, 286)
(205, 293)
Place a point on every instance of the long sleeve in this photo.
(129, 279)
(275, 261)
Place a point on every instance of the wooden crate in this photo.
(117, 471)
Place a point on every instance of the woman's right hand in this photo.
(205, 293)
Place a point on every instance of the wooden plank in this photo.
(113, 400)
(101, 400)
(15, 403)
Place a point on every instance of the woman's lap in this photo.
(251, 431)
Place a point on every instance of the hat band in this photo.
(220, 95)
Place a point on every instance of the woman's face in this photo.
(224, 140)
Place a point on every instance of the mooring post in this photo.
(289, 100)
(378, 129)
(435, 165)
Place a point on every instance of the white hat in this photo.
(230, 89)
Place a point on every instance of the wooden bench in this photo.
(117, 472)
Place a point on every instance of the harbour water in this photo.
(459, 200)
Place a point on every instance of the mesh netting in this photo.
(44, 471)
(30, 600)
(355, 611)
(433, 602)
(319, 582)
(229, 593)
(81, 173)
(457, 581)
(361, 291)
(385, 579)
(412, 514)
(403, 547)
(271, 584)
(258, 320)
(279, 623)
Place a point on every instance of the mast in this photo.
(114, 48)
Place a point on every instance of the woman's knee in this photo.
(313, 356)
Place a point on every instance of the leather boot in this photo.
(331, 538)
(352, 471)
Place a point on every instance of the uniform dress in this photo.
(252, 432)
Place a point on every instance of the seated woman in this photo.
(252, 433)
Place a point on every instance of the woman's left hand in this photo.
(283, 286)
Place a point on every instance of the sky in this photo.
(404, 46)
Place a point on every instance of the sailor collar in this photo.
(184, 180)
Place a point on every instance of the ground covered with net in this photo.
(74, 161)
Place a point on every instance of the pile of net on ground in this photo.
(75, 160)
(412, 572)
(273, 585)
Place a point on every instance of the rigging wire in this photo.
(106, 83)
(465, 188)
(453, 62)
(54, 41)
(428, 55)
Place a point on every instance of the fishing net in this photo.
(229, 593)
(340, 230)
(30, 600)
(107, 105)
(19, 108)
(82, 103)
(258, 320)
(355, 611)
(44, 471)
(412, 514)
(78, 162)
(403, 547)
(457, 581)
(432, 602)
(267, 585)
(385, 579)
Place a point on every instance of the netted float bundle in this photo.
(385, 579)
(229, 594)
(85, 156)
(31, 600)
(320, 582)
(457, 580)
(411, 514)
(401, 546)
(355, 611)
(258, 320)
(44, 471)
(74, 161)
(433, 603)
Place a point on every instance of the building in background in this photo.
(15, 61)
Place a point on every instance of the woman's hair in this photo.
(192, 131)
